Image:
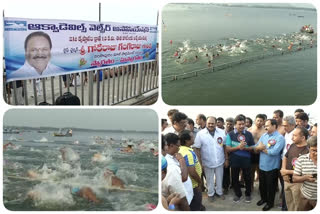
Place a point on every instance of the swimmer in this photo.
(7, 145)
(34, 195)
(69, 155)
(32, 174)
(176, 54)
(115, 181)
(97, 157)
(209, 64)
(128, 149)
(196, 58)
(154, 152)
(86, 193)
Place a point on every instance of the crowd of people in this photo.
(219, 155)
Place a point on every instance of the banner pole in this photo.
(98, 71)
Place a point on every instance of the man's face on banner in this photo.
(38, 53)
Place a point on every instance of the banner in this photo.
(36, 48)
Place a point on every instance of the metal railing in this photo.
(108, 86)
(218, 67)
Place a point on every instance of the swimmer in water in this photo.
(7, 145)
(69, 155)
(209, 64)
(196, 58)
(128, 149)
(154, 152)
(86, 193)
(32, 174)
(115, 181)
(97, 157)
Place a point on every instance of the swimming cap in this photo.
(113, 168)
(163, 163)
(75, 190)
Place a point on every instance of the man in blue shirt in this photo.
(270, 146)
(239, 144)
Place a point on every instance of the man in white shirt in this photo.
(210, 150)
(38, 47)
(179, 123)
(177, 163)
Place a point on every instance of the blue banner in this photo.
(36, 48)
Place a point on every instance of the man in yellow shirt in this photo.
(194, 168)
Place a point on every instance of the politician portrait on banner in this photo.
(36, 48)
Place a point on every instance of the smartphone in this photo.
(314, 175)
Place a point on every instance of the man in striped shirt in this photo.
(306, 172)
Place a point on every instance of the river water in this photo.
(40, 153)
(236, 33)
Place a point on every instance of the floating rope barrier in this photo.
(218, 67)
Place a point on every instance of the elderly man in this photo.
(289, 125)
(210, 150)
(298, 148)
(306, 172)
(270, 147)
(239, 146)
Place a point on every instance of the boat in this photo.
(306, 29)
(60, 133)
(10, 131)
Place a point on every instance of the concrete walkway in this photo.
(228, 205)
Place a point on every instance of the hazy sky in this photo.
(127, 119)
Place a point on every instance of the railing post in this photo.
(108, 89)
(103, 83)
(52, 90)
(98, 86)
(35, 92)
(118, 84)
(44, 89)
(123, 70)
(135, 79)
(113, 83)
(14, 84)
(82, 87)
(90, 94)
(25, 92)
(140, 78)
(60, 85)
